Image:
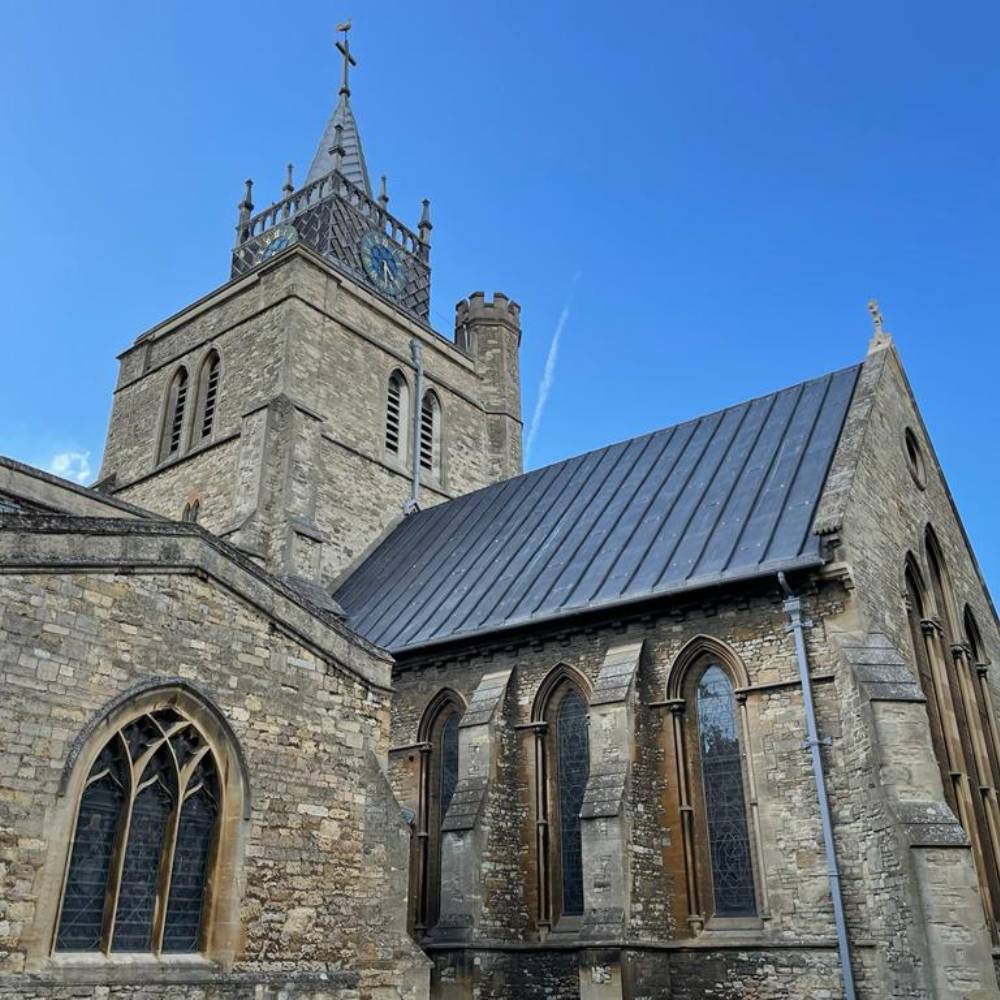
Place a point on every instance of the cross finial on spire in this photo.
(344, 47)
(880, 338)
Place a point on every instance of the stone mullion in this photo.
(695, 918)
(960, 770)
(423, 837)
(982, 676)
(741, 700)
(542, 838)
(987, 788)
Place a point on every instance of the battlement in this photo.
(477, 307)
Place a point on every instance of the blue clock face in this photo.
(275, 240)
(383, 263)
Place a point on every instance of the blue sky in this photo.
(717, 187)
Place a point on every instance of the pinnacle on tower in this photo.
(349, 157)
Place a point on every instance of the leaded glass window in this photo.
(449, 761)
(438, 781)
(145, 832)
(573, 769)
(725, 802)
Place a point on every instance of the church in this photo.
(316, 695)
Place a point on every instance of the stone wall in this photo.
(792, 884)
(296, 333)
(320, 881)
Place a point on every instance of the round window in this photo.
(915, 458)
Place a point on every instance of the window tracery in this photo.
(144, 840)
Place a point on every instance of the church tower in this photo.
(307, 404)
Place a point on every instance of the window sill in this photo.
(124, 967)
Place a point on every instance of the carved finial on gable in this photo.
(881, 338)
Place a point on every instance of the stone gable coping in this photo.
(50, 491)
(33, 543)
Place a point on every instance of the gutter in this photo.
(793, 607)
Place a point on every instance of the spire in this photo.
(340, 146)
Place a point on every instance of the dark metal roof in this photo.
(727, 496)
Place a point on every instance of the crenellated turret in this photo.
(490, 331)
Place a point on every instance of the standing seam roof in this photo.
(728, 495)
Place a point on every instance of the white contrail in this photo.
(550, 370)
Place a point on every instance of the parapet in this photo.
(477, 308)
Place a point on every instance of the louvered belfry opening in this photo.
(428, 418)
(144, 841)
(174, 414)
(393, 414)
(210, 373)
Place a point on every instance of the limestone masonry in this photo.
(315, 695)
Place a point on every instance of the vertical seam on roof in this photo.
(583, 538)
(829, 461)
(720, 416)
(798, 466)
(597, 487)
(395, 594)
(732, 488)
(652, 500)
(799, 392)
(613, 562)
(583, 572)
(542, 512)
(699, 500)
(423, 613)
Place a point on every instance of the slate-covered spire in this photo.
(349, 158)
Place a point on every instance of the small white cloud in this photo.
(73, 465)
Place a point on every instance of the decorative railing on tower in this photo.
(332, 215)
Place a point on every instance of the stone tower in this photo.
(302, 407)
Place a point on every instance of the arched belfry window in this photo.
(145, 844)
(208, 396)
(430, 434)
(714, 784)
(438, 780)
(562, 768)
(173, 417)
(397, 416)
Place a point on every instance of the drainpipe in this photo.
(412, 505)
(793, 606)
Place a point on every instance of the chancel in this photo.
(317, 694)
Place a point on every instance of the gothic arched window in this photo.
(144, 840)
(562, 767)
(725, 814)
(948, 676)
(430, 434)
(397, 416)
(438, 779)
(714, 784)
(173, 417)
(208, 395)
